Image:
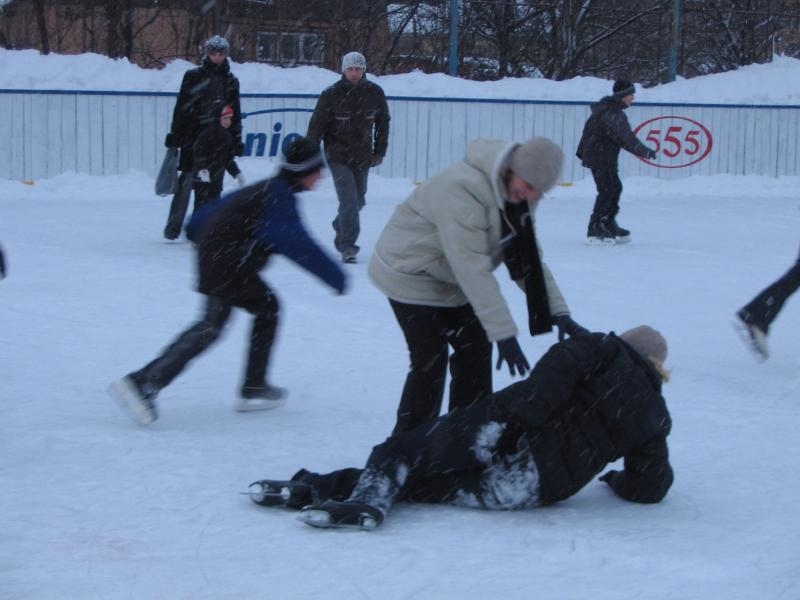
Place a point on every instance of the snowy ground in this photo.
(95, 507)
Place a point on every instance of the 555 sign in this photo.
(679, 141)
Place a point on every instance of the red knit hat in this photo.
(227, 111)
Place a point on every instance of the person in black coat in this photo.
(606, 132)
(754, 319)
(590, 400)
(214, 153)
(352, 119)
(204, 91)
(235, 236)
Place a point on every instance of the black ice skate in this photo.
(274, 492)
(261, 397)
(138, 404)
(753, 336)
(341, 515)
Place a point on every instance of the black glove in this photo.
(652, 154)
(508, 350)
(2, 264)
(239, 149)
(568, 327)
(171, 141)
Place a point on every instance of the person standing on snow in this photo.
(204, 91)
(235, 236)
(606, 132)
(214, 153)
(589, 401)
(435, 259)
(352, 120)
(754, 319)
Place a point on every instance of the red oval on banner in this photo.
(679, 141)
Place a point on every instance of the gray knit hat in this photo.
(538, 161)
(217, 43)
(648, 342)
(353, 59)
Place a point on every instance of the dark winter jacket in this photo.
(589, 401)
(352, 121)
(204, 91)
(214, 151)
(607, 131)
(236, 234)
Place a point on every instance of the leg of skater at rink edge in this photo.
(755, 319)
(179, 206)
(421, 399)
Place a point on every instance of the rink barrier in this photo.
(107, 132)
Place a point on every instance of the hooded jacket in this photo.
(606, 131)
(353, 122)
(589, 401)
(442, 244)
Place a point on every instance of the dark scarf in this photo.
(521, 257)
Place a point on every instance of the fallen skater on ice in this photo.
(590, 400)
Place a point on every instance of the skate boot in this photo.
(600, 233)
(621, 235)
(138, 401)
(274, 492)
(261, 397)
(753, 335)
(341, 515)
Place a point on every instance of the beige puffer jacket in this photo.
(442, 244)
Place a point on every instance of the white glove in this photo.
(241, 180)
(204, 176)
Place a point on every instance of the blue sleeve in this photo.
(200, 218)
(283, 232)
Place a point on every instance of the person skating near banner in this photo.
(605, 133)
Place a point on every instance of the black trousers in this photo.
(429, 332)
(257, 299)
(609, 190)
(763, 309)
(206, 192)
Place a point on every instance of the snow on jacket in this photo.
(589, 401)
(237, 233)
(606, 131)
(204, 91)
(353, 122)
(442, 244)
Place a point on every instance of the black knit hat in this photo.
(623, 87)
(301, 157)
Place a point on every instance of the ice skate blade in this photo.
(128, 399)
(322, 519)
(263, 496)
(257, 404)
(754, 339)
(600, 241)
